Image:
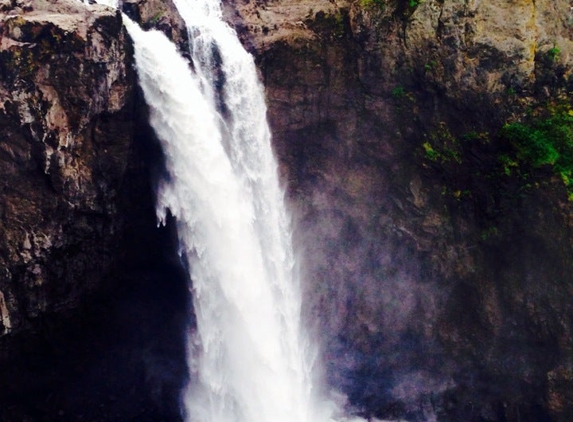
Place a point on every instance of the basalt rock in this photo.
(86, 276)
(440, 282)
(66, 96)
(158, 15)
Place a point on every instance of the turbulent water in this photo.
(251, 361)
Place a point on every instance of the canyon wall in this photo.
(86, 277)
(436, 254)
(67, 117)
(439, 274)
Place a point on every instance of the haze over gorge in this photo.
(425, 151)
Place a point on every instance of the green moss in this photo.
(554, 53)
(476, 136)
(398, 92)
(544, 142)
(508, 164)
(430, 152)
(533, 143)
(442, 146)
(373, 4)
(431, 65)
(408, 7)
(456, 194)
(156, 18)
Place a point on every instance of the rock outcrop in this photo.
(67, 118)
(85, 274)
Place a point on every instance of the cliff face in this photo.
(439, 276)
(82, 302)
(437, 257)
(66, 95)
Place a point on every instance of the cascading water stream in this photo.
(252, 361)
(249, 355)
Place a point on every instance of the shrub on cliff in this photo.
(544, 142)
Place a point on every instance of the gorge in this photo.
(436, 245)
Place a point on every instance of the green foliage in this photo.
(431, 153)
(508, 164)
(457, 194)
(442, 146)
(156, 18)
(554, 53)
(430, 65)
(476, 136)
(545, 142)
(533, 144)
(398, 92)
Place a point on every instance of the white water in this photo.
(249, 354)
(111, 3)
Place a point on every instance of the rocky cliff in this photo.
(67, 120)
(76, 204)
(424, 146)
(438, 248)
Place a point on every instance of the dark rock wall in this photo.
(67, 118)
(93, 301)
(437, 285)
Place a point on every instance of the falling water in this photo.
(112, 3)
(251, 360)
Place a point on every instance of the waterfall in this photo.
(111, 3)
(252, 363)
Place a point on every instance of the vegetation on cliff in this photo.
(542, 141)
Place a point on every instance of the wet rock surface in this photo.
(440, 286)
